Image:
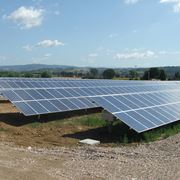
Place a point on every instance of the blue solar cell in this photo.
(64, 92)
(21, 85)
(28, 84)
(80, 104)
(50, 107)
(131, 122)
(152, 118)
(36, 84)
(24, 95)
(73, 92)
(60, 105)
(166, 114)
(141, 119)
(45, 94)
(14, 85)
(158, 114)
(34, 94)
(136, 101)
(152, 100)
(11, 95)
(88, 102)
(69, 104)
(143, 99)
(89, 91)
(4, 85)
(175, 107)
(121, 106)
(37, 107)
(106, 105)
(172, 111)
(25, 109)
(81, 92)
(55, 93)
(128, 103)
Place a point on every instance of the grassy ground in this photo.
(121, 133)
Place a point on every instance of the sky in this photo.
(95, 33)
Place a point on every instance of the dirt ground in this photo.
(52, 152)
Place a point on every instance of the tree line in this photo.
(95, 73)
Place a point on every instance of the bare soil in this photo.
(51, 151)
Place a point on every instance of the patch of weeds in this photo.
(35, 124)
(122, 134)
(162, 132)
(91, 121)
(2, 129)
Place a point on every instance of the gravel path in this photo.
(157, 160)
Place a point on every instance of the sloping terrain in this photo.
(51, 151)
(158, 160)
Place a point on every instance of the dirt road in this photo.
(157, 160)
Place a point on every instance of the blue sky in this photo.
(97, 33)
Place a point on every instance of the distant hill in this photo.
(34, 67)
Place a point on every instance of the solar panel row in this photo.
(150, 118)
(53, 83)
(143, 111)
(43, 101)
(142, 105)
(30, 108)
(51, 93)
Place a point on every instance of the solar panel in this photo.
(143, 111)
(142, 105)
(16, 83)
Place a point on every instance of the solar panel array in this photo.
(142, 105)
(143, 111)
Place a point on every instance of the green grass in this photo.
(3, 130)
(162, 132)
(91, 121)
(121, 133)
(35, 125)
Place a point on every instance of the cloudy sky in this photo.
(97, 33)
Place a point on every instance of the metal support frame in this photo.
(109, 118)
(39, 117)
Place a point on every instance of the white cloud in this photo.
(27, 48)
(26, 17)
(93, 55)
(49, 43)
(175, 3)
(135, 54)
(44, 44)
(131, 1)
(47, 55)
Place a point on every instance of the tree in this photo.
(162, 75)
(45, 74)
(146, 75)
(93, 72)
(154, 73)
(109, 74)
(133, 74)
(177, 76)
(28, 75)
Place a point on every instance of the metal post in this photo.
(39, 117)
(110, 123)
